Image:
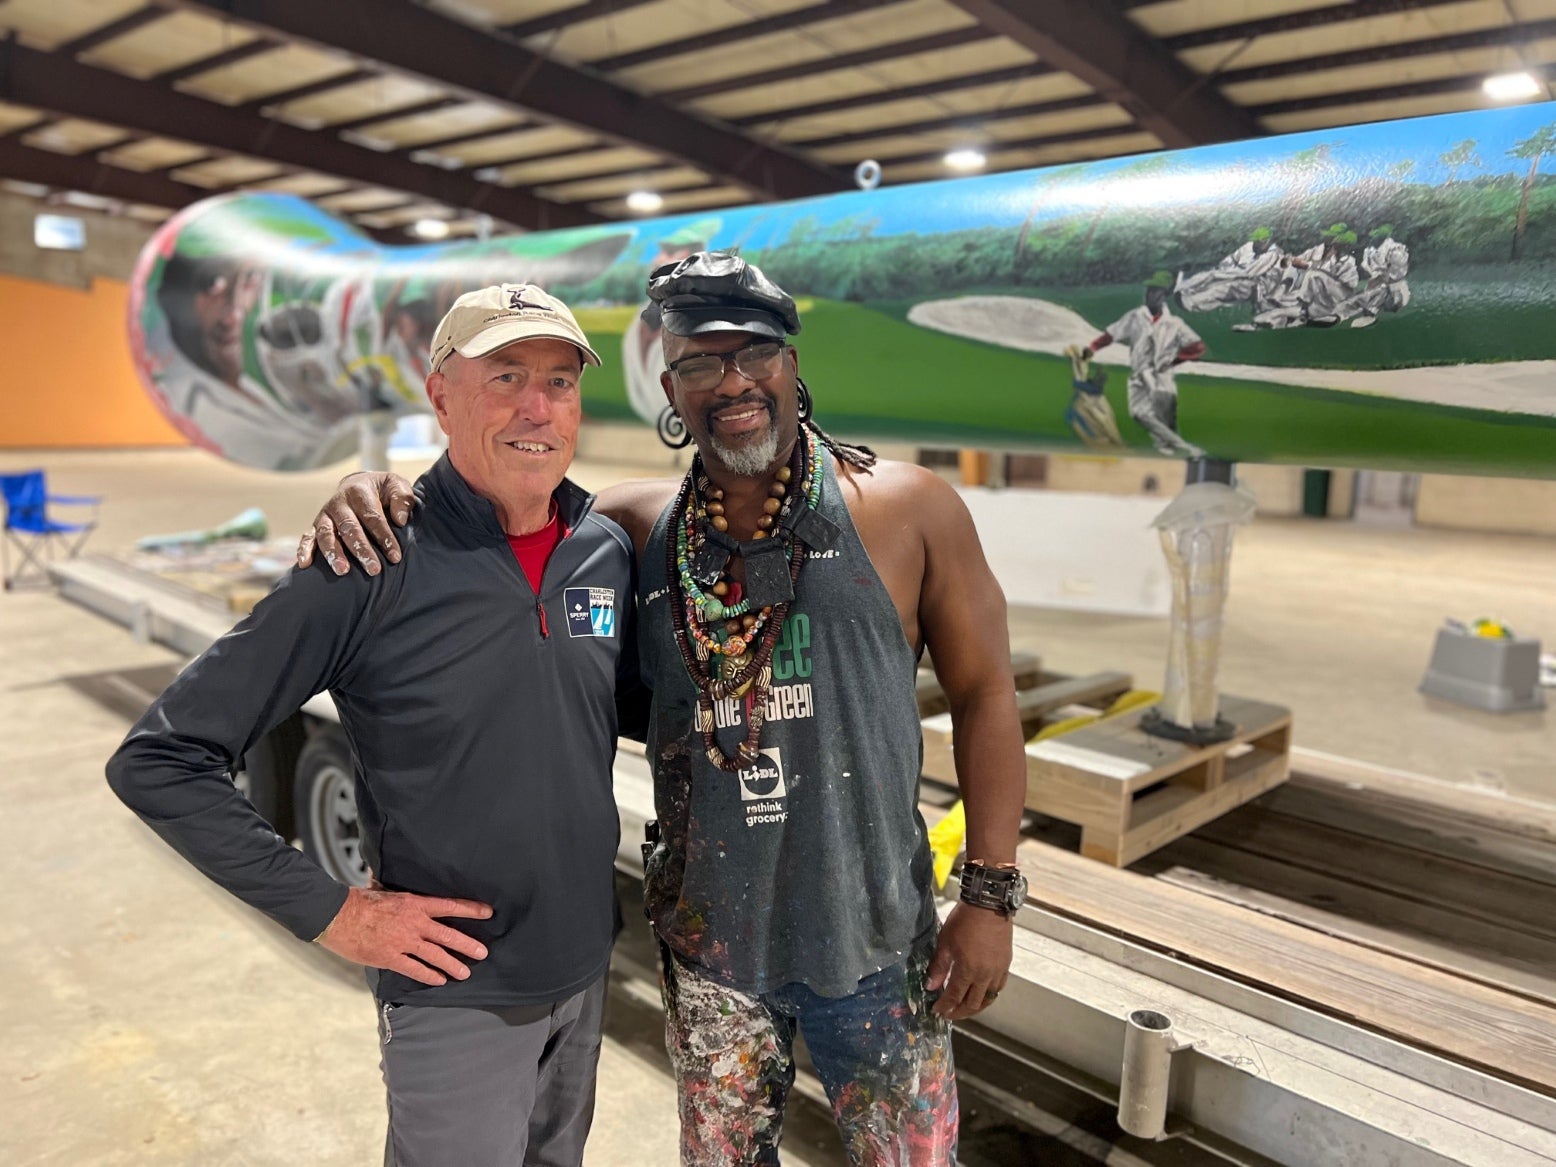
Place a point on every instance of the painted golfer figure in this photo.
(1158, 343)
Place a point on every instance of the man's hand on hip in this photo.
(400, 932)
(971, 961)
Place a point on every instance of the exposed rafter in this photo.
(416, 40)
(926, 89)
(312, 89)
(220, 60)
(113, 30)
(1105, 49)
(566, 16)
(729, 37)
(89, 176)
(1468, 83)
(431, 105)
(1295, 21)
(1512, 34)
(49, 82)
(934, 43)
(971, 121)
(1022, 144)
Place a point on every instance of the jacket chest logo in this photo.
(590, 611)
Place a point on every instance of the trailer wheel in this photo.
(324, 800)
(266, 774)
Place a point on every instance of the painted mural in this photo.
(1379, 296)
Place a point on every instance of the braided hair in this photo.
(860, 458)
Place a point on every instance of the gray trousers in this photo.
(490, 1087)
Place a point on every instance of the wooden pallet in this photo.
(1039, 696)
(1131, 793)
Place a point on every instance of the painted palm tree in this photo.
(1459, 157)
(1145, 168)
(1535, 147)
(1047, 184)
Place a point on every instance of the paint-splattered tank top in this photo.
(813, 866)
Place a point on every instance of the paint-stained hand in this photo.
(354, 516)
(972, 960)
(400, 932)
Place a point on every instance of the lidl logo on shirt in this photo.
(762, 789)
(590, 611)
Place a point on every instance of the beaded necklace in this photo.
(727, 648)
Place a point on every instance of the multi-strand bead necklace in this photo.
(727, 647)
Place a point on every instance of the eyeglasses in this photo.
(755, 362)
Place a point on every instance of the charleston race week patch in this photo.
(590, 611)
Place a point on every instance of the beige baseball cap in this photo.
(484, 321)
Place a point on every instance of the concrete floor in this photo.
(151, 1019)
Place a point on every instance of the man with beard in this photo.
(788, 586)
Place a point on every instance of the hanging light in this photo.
(966, 160)
(430, 229)
(1511, 86)
(644, 202)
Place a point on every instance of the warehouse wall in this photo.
(1519, 506)
(67, 380)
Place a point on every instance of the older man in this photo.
(478, 683)
(789, 585)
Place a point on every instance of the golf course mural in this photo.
(1379, 296)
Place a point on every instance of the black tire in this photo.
(325, 807)
(266, 773)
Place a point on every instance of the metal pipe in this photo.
(1147, 1071)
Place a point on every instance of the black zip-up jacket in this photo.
(484, 722)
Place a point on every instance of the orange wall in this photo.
(65, 374)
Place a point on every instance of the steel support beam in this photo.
(59, 85)
(1105, 49)
(923, 89)
(89, 176)
(412, 39)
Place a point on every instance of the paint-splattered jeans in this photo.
(881, 1052)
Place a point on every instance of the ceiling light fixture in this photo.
(966, 160)
(1511, 86)
(430, 229)
(644, 202)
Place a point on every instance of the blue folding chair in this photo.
(28, 528)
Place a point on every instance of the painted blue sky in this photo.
(1255, 169)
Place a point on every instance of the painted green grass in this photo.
(873, 374)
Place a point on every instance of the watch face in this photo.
(1018, 892)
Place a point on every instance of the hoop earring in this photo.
(807, 406)
(672, 429)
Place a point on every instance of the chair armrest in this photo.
(76, 499)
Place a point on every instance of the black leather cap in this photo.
(716, 291)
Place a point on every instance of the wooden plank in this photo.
(1483, 808)
(1026, 668)
(1098, 689)
(1419, 826)
(1505, 1035)
(1502, 957)
(1466, 888)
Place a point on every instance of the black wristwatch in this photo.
(1000, 889)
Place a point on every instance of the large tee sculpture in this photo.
(1376, 296)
